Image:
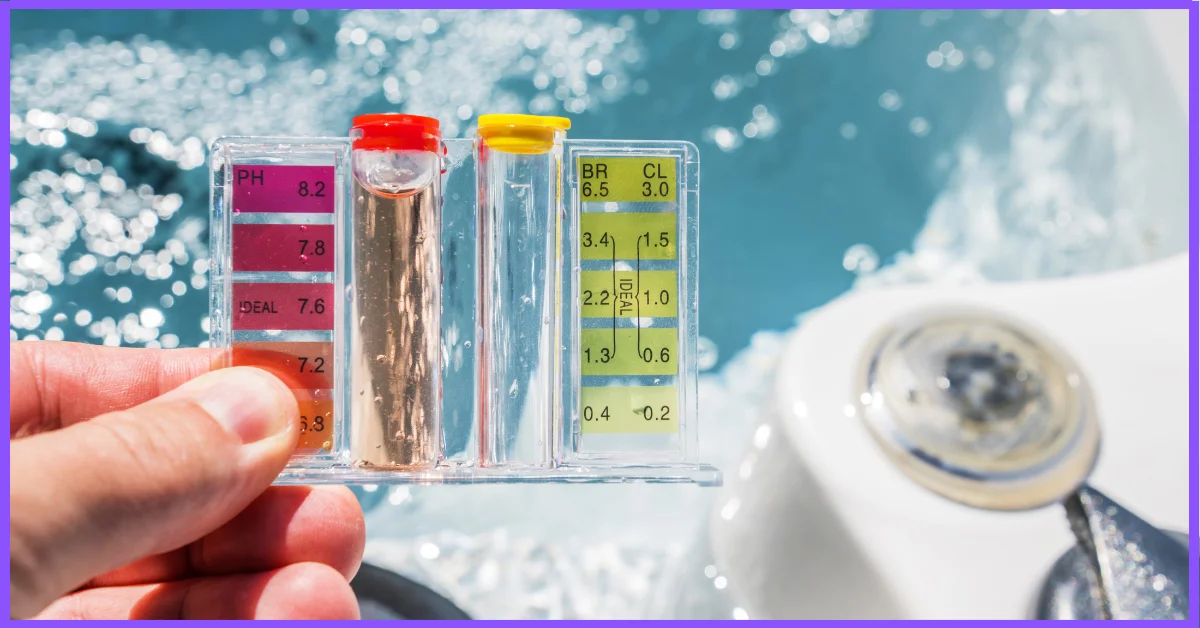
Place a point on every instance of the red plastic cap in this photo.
(397, 131)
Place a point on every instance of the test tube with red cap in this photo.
(394, 292)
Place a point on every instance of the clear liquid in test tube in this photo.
(394, 316)
(519, 167)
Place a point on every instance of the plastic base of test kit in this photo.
(282, 248)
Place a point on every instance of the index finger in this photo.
(54, 384)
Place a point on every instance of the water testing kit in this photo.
(512, 307)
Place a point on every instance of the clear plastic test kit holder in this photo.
(514, 307)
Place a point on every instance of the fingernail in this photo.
(249, 403)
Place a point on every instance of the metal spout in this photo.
(1121, 568)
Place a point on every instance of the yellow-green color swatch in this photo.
(655, 353)
(627, 179)
(627, 236)
(628, 294)
(629, 410)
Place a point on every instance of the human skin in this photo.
(141, 488)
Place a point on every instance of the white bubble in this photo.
(151, 317)
(728, 512)
(399, 495)
(890, 100)
(706, 354)
(983, 58)
(818, 32)
(36, 302)
(726, 87)
(860, 259)
(429, 551)
(726, 138)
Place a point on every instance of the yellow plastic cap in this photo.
(520, 133)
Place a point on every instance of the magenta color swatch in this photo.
(283, 189)
(283, 248)
(283, 306)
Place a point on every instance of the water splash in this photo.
(1080, 184)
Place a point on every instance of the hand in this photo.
(159, 506)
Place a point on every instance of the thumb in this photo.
(99, 494)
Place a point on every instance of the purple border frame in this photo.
(1193, 126)
(1193, 277)
(587, 4)
(6, 393)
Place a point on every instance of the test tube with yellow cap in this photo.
(519, 168)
